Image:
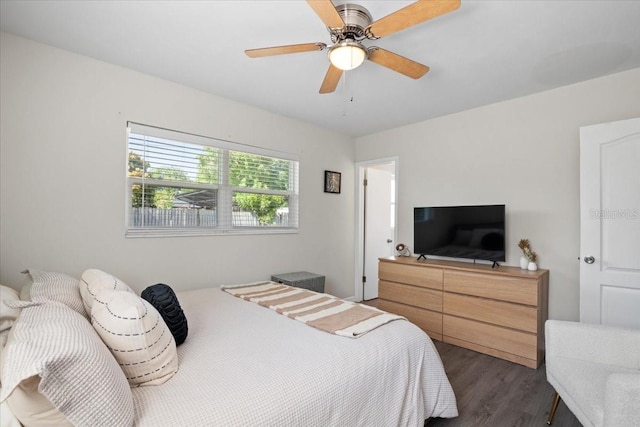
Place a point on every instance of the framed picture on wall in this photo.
(332, 182)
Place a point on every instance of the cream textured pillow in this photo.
(52, 286)
(8, 418)
(137, 336)
(26, 406)
(76, 371)
(94, 281)
(33, 409)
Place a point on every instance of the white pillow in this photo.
(31, 408)
(76, 371)
(94, 281)
(27, 406)
(52, 286)
(8, 418)
(8, 315)
(25, 290)
(137, 336)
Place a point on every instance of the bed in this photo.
(244, 364)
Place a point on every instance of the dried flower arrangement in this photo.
(526, 250)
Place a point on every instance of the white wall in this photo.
(62, 174)
(524, 153)
(63, 165)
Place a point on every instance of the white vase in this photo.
(532, 266)
(524, 263)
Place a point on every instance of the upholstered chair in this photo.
(595, 370)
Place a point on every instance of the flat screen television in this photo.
(470, 232)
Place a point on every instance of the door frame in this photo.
(359, 217)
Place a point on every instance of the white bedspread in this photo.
(243, 364)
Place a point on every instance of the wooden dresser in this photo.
(500, 312)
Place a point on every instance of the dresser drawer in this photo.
(512, 289)
(414, 275)
(411, 295)
(510, 315)
(428, 321)
(494, 337)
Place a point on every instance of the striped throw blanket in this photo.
(322, 311)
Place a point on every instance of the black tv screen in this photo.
(471, 232)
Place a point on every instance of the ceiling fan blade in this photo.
(397, 63)
(327, 12)
(408, 16)
(281, 50)
(331, 79)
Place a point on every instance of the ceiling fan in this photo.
(349, 24)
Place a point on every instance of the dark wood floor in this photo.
(494, 392)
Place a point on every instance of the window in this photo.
(183, 184)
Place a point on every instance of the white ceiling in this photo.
(484, 52)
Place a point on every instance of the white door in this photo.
(378, 223)
(610, 223)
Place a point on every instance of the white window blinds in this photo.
(184, 184)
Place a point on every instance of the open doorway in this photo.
(376, 214)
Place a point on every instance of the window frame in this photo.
(225, 191)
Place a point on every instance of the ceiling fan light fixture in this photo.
(347, 55)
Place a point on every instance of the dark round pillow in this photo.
(492, 242)
(164, 300)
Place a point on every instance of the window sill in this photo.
(191, 232)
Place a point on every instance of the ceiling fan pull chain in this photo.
(345, 94)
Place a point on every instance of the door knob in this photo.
(589, 259)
